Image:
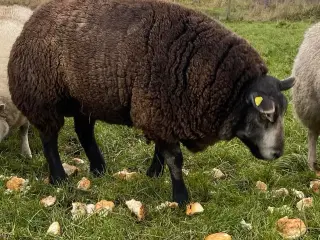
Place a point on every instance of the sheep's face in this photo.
(4, 127)
(261, 128)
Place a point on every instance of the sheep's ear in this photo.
(263, 104)
(2, 107)
(287, 83)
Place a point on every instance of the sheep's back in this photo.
(9, 32)
(171, 71)
(83, 51)
(12, 19)
(306, 94)
(15, 13)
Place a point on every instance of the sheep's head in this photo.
(261, 125)
(4, 127)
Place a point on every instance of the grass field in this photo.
(226, 202)
(248, 10)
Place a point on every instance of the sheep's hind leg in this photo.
(84, 127)
(50, 148)
(312, 151)
(25, 148)
(173, 157)
(157, 166)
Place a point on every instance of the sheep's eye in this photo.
(267, 117)
(263, 116)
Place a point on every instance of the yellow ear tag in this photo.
(258, 100)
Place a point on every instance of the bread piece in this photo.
(291, 228)
(48, 201)
(137, 208)
(218, 236)
(194, 208)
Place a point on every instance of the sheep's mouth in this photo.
(254, 149)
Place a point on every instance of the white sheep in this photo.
(12, 19)
(306, 91)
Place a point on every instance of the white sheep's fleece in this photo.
(15, 12)
(306, 70)
(12, 19)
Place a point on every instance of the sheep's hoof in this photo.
(56, 180)
(98, 171)
(26, 152)
(155, 171)
(314, 167)
(181, 198)
(28, 156)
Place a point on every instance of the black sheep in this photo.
(170, 71)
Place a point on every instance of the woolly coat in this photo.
(12, 19)
(306, 91)
(170, 71)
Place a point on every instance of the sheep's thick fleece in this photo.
(12, 19)
(306, 91)
(172, 72)
(306, 94)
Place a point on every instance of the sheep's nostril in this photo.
(277, 154)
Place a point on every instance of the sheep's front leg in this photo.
(50, 149)
(157, 165)
(312, 150)
(173, 157)
(84, 127)
(25, 148)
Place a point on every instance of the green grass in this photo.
(248, 10)
(226, 202)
